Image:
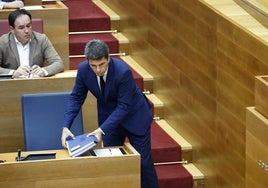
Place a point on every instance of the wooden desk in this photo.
(11, 131)
(89, 171)
(256, 149)
(56, 26)
(32, 2)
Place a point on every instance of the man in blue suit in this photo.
(123, 110)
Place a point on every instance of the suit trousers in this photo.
(142, 143)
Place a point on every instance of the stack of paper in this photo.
(81, 144)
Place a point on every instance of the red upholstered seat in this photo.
(37, 26)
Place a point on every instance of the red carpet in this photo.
(174, 176)
(78, 42)
(164, 148)
(74, 62)
(84, 15)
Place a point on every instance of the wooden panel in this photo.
(256, 149)
(32, 2)
(261, 91)
(55, 27)
(11, 134)
(88, 171)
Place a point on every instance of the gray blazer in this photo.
(42, 53)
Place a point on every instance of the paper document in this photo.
(108, 152)
(35, 7)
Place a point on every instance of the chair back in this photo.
(42, 115)
(36, 22)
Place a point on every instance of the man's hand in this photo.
(22, 71)
(14, 4)
(37, 71)
(97, 133)
(65, 134)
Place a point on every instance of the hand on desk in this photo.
(36, 70)
(13, 4)
(28, 72)
(22, 71)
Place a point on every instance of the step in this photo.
(78, 42)
(198, 176)
(147, 78)
(158, 105)
(115, 18)
(177, 175)
(117, 42)
(165, 150)
(86, 17)
(186, 147)
(123, 43)
(174, 176)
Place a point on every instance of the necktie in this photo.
(102, 84)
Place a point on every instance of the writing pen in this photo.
(31, 65)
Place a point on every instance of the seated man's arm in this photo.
(54, 61)
(12, 5)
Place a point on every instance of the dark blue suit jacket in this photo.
(123, 104)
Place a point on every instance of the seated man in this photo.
(11, 4)
(25, 53)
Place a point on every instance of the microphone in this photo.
(18, 158)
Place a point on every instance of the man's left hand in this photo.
(97, 133)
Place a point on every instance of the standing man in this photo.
(123, 110)
(25, 53)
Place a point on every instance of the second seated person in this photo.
(26, 53)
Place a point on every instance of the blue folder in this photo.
(81, 144)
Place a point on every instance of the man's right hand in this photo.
(22, 71)
(14, 4)
(65, 134)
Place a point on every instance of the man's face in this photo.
(99, 66)
(22, 29)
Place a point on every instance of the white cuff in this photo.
(101, 131)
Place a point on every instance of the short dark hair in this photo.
(96, 49)
(15, 14)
